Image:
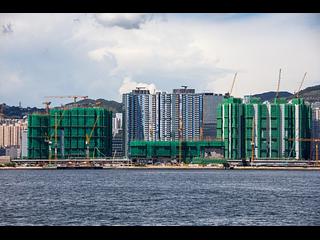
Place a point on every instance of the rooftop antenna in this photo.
(138, 88)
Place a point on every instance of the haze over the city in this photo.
(105, 55)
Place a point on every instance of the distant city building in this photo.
(11, 132)
(2, 151)
(210, 104)
(117, 123)
(24, 143)
(13, 152)
(117, 136)
(117, 144)
(182, 114)
(137, 108)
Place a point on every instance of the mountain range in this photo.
(310, 94)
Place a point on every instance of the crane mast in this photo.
(234, 80)
(74, 97)
(88, 138)
(304, 77)
(252, 140)
(278, 85)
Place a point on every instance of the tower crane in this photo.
(228, 94)
(88, 138)
(151, 131)
(74, 97)
(252, 140)
(304, 77)
(278, 85)
(47, 104)
(180, 138)
(49, 141)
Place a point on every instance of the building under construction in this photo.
(70, 133)
(264, 130)
(181, 151)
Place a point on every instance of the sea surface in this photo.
(159, 197)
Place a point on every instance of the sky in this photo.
(104, 55)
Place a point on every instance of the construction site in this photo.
(248, 131)
(69, 133)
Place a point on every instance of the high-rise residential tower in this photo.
(180, 115)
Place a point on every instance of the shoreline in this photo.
(172, 168)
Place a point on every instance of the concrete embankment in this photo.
(177, 168)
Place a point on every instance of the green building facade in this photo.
(267, 128)
(66, 131)
(175, 150)
(230, 127)
(38, 130)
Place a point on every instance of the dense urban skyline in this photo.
(105, 55)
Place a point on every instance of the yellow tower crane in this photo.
(180, 138)
(252, 140)
(304, 77)
(234, 80)
(278, 85)
(49, 141)
(228, 94)
(56, 121)
(47, 104)
(74, 97)
(88, 138)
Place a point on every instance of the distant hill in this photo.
(111, 105)
(310, 94)
(267, 96)
(17, 112)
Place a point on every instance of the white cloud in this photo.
(123, 20)
(98, 54)
(102, 54)
(54, 54)
(128, 85)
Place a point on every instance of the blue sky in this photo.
(104, 55)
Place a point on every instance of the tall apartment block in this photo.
(137, 116)
(210, 102)
(271, 129)
(182, 114)
(315, 129)
(10, 133)
(117, 135)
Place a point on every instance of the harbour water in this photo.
(159, 197)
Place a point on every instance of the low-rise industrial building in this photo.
(181, 151)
